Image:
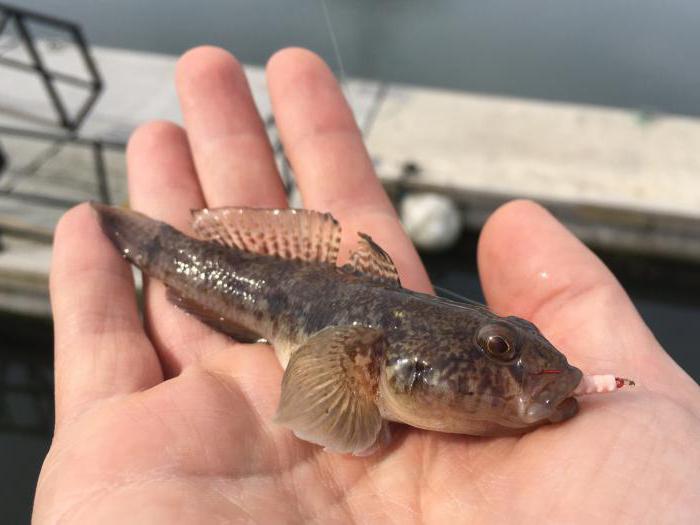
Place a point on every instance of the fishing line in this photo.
(449, 294)
(286, 170)
(336, 51)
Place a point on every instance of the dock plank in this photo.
(551, 151)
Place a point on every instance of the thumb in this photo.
(531, 266)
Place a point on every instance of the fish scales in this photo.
(359, 349)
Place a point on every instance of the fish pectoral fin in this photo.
(211, 318)
(303, 235)
(369, 259)
(329, 389)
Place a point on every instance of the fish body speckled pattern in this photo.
(358, 349)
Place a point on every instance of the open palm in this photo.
(172, 423)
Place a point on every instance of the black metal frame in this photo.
(50, 78)
(66, 132)
(97, 146)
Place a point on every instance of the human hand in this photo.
(174, 422)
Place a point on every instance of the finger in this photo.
(162, 179)
(163, 185)
(331, 165)
(231, 150)
(100, 347)
(532, 267)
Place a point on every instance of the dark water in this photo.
(671, 307)
(26, 410)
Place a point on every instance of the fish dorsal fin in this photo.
(330, 386)
(369, 259)
(303, 235)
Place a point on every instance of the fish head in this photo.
(538, 381)
(504, 377)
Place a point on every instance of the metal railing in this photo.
(21, 19)
(67, 125)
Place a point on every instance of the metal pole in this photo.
(43, 73)
(101, 172)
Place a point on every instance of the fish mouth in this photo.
(552, 401)
(546, 411)
(567, 409)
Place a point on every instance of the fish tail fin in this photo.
(134, 235)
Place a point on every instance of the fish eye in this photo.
(494, 340)
(497, 346)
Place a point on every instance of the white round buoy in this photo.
(431, 220)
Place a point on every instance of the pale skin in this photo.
(172, 423)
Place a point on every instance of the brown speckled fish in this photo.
(358, 349)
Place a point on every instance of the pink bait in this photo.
(600, 384)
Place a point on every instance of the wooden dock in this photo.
(622, 179)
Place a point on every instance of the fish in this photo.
(359, 351)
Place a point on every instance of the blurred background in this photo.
(512, 63)
(637, 54)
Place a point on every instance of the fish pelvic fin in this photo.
(370, 260)
(329, 389)
(303, 235)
